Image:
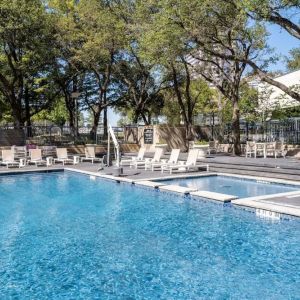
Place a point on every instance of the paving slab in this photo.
(214, 196)
(149, 183)
(282, 209)
(177, 189)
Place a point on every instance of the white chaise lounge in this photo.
(36, 157)
(139, 157)
(156, 158)
(191, 163)
(171, 161)
(62, 156)
(8, 159)
(90, 155)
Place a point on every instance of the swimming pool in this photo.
(64, 236)
(232, 186)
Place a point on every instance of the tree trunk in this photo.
(93, 132)
(27, 113)
(236, 127)
(70, 105)
(146, 121)
(17, 115)
(105, 122)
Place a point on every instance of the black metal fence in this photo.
(63, 135)
(287, 131)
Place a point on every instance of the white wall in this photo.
(272, 97)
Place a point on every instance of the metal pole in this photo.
(108, 149)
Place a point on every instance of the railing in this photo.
(287, 131)
(63, 135)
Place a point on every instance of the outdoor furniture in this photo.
(62, 156)
(8, 159)
(171, 161)
(280, 149)
(265, 149)
(191, 163)
(156, 158)
(250, 149)
(19, 151)
(76, 159)
(90, 155)
(49, 161)
(212, 147)
(36, 157)
(270, 149)
(48, 150)
(260, 149)
(139, 157)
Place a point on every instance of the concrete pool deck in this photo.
(286, 203)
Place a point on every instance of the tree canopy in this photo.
(145, 59)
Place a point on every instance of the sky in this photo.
(282, 43)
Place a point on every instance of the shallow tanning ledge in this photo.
(177, 189)
(214, 196)
(149, 183)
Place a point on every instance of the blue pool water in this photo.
(64, 236)
(232, 186)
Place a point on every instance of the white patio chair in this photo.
(190, 163)
(90, 155)
(62, 156)
(156, 158)
(270, 149)
(139, 157)
(8, 159)
(35, 157)
(171, 161)
(250, 149)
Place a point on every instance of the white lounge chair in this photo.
(171, 161)
(8, 159)
(62, 156)
(19, 152)
(90, 155)
(156, 158)
(139, 157)
(191, 163)
(36, 157)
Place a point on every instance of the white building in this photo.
(272, 97)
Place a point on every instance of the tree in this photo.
(198, 30)
(164, 43)
(102, 38)
(274, 11)
(57, 113)
(293, 62)
(141, 88)
(25, 56)
(279, 12)
(202, 94)
(5, 113)
(67, 72)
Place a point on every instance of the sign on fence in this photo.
(148, 136)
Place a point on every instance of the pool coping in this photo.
(252, 203)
